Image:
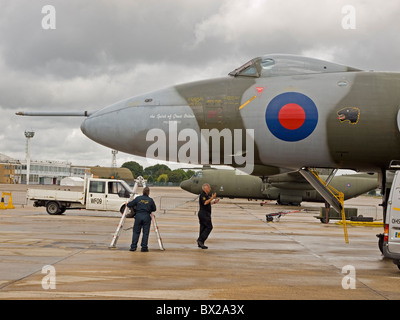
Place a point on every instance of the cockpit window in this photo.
(247, 70)
(198, 174)
(267, 64)
(287, 65)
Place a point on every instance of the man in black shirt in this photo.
(205, 202)
(144, 208)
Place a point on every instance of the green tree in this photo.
(136, 168)
(189, 174)
(162, 178)
(157, 170)
(177, 175)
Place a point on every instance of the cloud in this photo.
(257, 27)
(97, 36)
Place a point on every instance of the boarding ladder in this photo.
(334, 197)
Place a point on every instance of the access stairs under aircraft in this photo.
(330, 194)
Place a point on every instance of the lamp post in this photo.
(114, 163)
(114, 158)
(28, 135)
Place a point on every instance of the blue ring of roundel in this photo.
(275, 106)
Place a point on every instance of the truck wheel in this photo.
(380, 241)
(129, 213)
(53, 208)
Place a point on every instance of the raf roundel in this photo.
(291, 116)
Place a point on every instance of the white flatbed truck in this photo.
(97, 194)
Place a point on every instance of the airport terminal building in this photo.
(41, 172)
(14, 171)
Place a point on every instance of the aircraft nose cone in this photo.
(89, 128)
(84, 127)
(185, 185)
(111, 129)
(103, 129)
(121, 128)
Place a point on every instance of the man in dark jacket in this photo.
(205, 202)
(144, 208)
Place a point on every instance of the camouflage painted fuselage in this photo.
(286, 188)
(302, 112)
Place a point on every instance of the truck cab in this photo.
(103, 194)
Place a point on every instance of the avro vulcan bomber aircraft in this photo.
(275, 111)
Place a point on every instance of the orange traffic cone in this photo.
(2, 205)
(10, 204)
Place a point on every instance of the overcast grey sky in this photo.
(103, 51)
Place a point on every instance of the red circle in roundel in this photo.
(292, 116)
